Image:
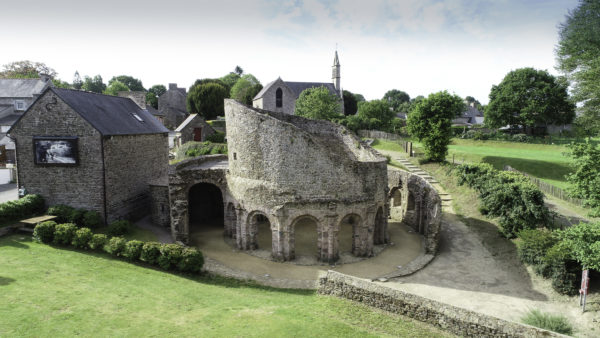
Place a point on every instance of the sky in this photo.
(418, 46)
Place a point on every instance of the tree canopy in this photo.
(77, 82)
(319, 104)
(578, 56)
(583, 242)
(396, 98)
(206, 98)
(132, 83)
(94, 84)
(115, 87)
(245, 89)
(26, 69)
(527, 97)
(350, 103)
(431, 120)
(585, 178)
(153, 93)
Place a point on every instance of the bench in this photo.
(30, 223)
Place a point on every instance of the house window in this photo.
(279, 98)
(19, 105)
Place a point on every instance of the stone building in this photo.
(280, 96)
(172, 104)
(194, 128)
(90, 151)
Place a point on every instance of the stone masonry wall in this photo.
(131, 163)
(187, 133)
(459, 321)
(161, 213)
(79, 186)
(267, 102)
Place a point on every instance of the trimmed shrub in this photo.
(82, 238)
(92, 219)
(216, 138)
(170, 256)
(76, 216)
(44, 232)
(191, 260)
(547, 321)
(133, 250)
(119, 228)
(98, 241)
(150, 252)
(62, 212)
(64, 233)
(115, 246)
(28, 206)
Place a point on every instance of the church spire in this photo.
(335, 77)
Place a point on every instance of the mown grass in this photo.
(387, 145)
(546, 162)
(47, 291)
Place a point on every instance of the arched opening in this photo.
(379, 235)
(306, 237)
(205, 207)
(279, 98)
(397, 198)
(260, 225)
(347, 236)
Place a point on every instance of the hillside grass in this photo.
(48, 292)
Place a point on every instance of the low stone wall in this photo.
(450, 318)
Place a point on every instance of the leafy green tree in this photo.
(115, 87)
(376, 109)
(207, 99)
(396, 98)
(527, 97)
(350, 103)
(132, 83)
(245, 89)
(58, 83)
(578, 56)
(229, 80)
(359, 98)
(153, 93)
(77, 82)
(583, 242)
(319, 104)
(238, 70)
(94, 84)
(585, 179)
(431, 120)
(26, 70)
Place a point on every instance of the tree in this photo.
(318, 103)
(431, 120)
(578, 56)
(583, 242)
(94, 84)
(245, 89)
(153, 93)
(26, 69)
(77, 82)
(238, 70)
(378, 110)
(359, 98)
(58, 83)
(585, 179)
(528, 97)
(396, 98)
(207, 99)
(132, 83)
(471, 99)
(350, 103)
(115, 87)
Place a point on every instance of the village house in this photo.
(194, 128)
(172, 104)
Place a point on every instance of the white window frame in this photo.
(20, 103)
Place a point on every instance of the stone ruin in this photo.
(286, 170)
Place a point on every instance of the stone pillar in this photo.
(328, 239)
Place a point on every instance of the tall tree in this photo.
(319, 104)
(115, 87)
(153, 93)
(376, 109)
(77, 82)
(585, 177)
(245, 89)
(431, 120)
(527, 97)
(207, 99)
(350, 103)
(94, 84)
(58, 83)
(26, 69)
(578, 56)
(238, 70)
(359, 98)
(396, 98)
(131, 82)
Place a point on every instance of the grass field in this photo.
(54, 292)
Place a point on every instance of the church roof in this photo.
(298, 87)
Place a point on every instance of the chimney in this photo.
(172, 86)
(44, 77)
(138, 97)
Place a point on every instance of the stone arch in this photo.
(396, 197)
(307, 236)
(259, 231)
(380, 235)
(348, 235)
(205, 205)
(279, 98)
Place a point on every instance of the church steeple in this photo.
(335, 77)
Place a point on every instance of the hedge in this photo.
(64, 233)
(82, 238)
(44, 232)
(80, 217)
(25, 207)
(119, 228)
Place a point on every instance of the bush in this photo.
(191, 260)
(520, 138)
(28, 206)
(534, 244)
(216, 138)
(194, 149)
(563, 270)
(82, 238)
(170, 256)
(474, 175)
(64, 233)
(44, 232)
(62, 212)
(547, 321)
(76, 216)
(115, 246)
(119, 228)
(150, 252)
(92, 219)
(133, 250)
(98, 241)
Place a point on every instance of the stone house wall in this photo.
(161, 213)
(187, 133)
(80, 186)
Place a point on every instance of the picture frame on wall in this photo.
(55, 151)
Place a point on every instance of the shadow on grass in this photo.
(5, 280)
(15, 241)
(540, 169)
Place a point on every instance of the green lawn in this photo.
(540, 160)
(50, 292)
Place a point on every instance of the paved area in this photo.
(8, 192)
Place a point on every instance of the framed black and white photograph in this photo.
(55, 150)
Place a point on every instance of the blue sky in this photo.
(417, 46)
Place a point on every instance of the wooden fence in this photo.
(548, 188)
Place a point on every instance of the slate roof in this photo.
(298, 87)
(9, 119)
(110, 115)
(154, 112)
(21, 87)
(186, 122)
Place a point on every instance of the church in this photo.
(280, 96)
